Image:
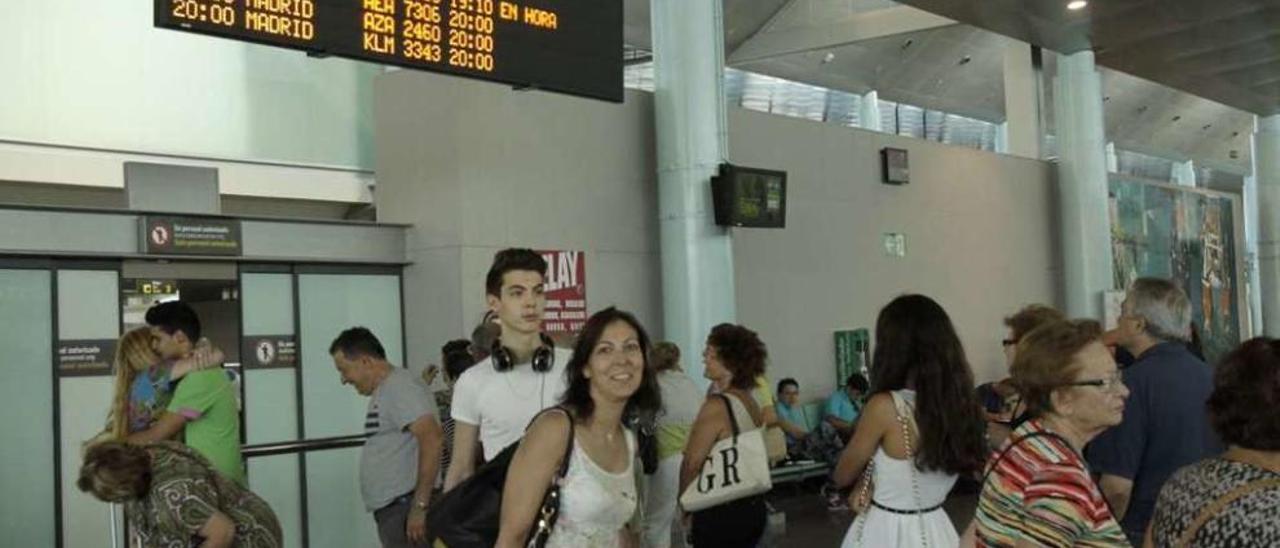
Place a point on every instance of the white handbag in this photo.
(736, 468)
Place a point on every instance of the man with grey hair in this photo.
(1165, 425)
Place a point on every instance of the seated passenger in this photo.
(790, 413)
(822, 444)
(172, 497)
(843, 406)
(1196, 506)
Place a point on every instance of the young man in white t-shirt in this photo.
(495, 399)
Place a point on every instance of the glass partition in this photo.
(26, 332)
(328, 304)
(271, 402)
(88, 310)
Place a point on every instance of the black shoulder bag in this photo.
(468, 515)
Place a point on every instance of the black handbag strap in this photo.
(1015, 442)
(733, 417)
(568, 449)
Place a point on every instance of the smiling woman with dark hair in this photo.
(609, 381)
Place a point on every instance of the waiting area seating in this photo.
(797, 471)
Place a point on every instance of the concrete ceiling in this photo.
(1225, 50)
(1148, 117)
(918, 58)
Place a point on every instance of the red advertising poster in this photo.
(566, 290)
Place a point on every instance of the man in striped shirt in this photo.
(400, 460)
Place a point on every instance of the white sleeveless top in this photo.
(894, 488)
(594, 504)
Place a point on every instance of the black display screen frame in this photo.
(581, 57)
(728, 195)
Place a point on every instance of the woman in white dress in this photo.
(608, 380)
(921, 428)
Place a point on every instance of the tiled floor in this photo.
(810, 525)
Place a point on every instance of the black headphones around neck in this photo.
(543, 357)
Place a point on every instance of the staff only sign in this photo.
(566, 290)
(169, 235)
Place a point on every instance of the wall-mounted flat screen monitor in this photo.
(750, 197)
(566, 46)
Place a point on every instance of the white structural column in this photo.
(869, 111)
(1250, 206)
(1022, 133)
(1266, 172)
(1082, 180)
(1113, 159)
(1184, 173)
(697, 255)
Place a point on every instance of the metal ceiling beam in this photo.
(863, 26)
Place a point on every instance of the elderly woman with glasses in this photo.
(1037, 490)
(1004, 406)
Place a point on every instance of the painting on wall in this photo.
(1187, 236)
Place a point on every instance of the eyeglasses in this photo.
(1111, 384)
(1009, 342)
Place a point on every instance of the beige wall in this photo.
(978, 230)
(476, 167)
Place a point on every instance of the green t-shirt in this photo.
(208, 402)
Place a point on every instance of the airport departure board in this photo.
(567, 46)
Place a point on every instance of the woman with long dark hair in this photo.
(921, 428)
(609, 382)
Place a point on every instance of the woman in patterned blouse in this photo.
(174, 499)
(1243, 409)
(1038, 491)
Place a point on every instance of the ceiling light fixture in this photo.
(1077, 5)
(829, 57)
